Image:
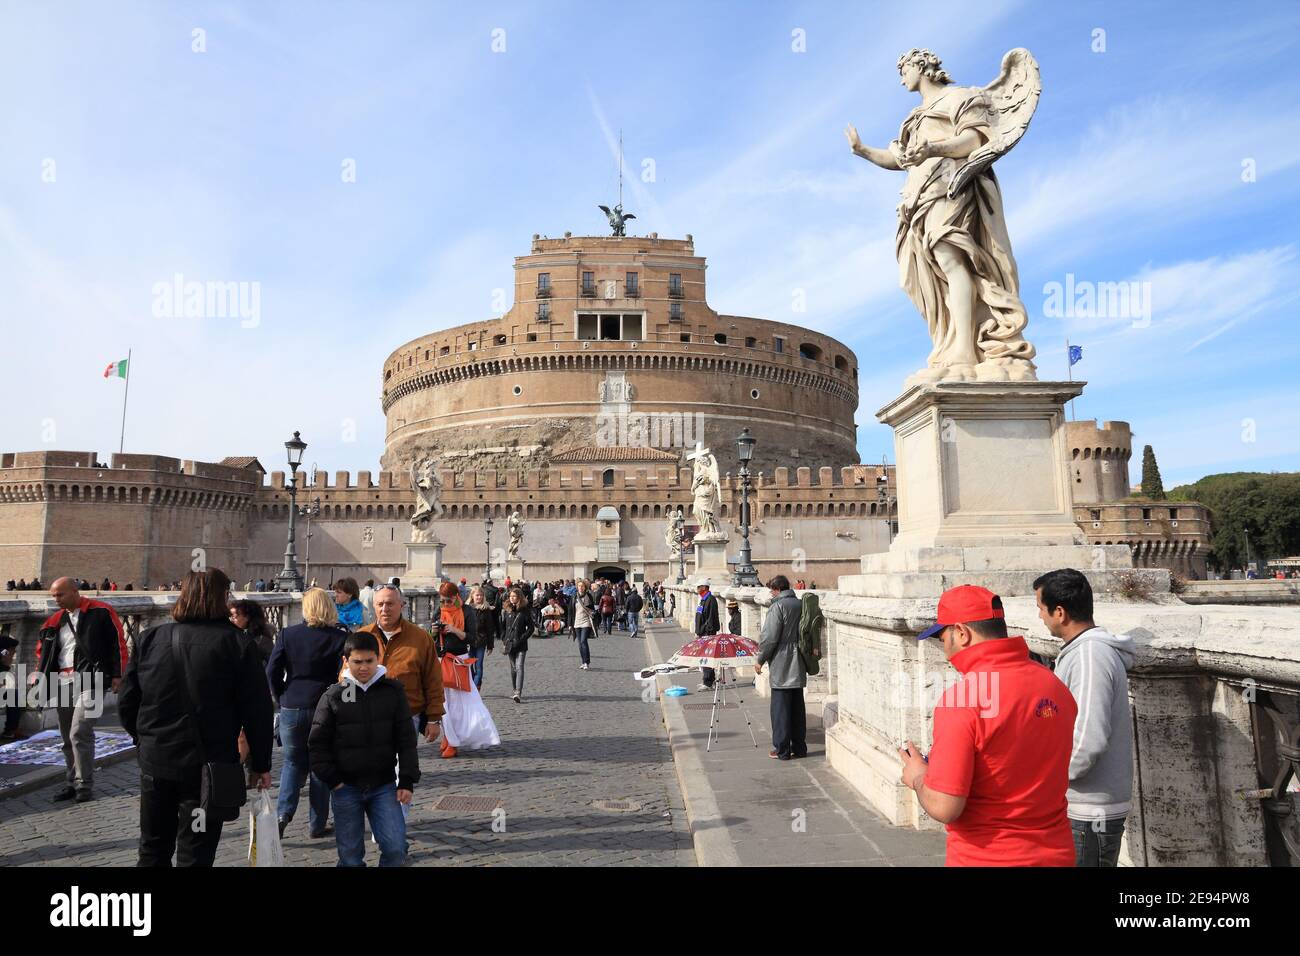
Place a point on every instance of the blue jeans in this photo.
(633, 622)
(476, 669)
(583, 634)
(295, 724)
(352, 806)
(1097, 844)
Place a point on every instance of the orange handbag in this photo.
(455, 672)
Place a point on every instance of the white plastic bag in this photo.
(264, 834)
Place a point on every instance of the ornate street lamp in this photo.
(290, 579)
(487, 565)
(309, 512)
(679, 522)
(745, 574)
(882, 495)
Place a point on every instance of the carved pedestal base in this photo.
(423, 563)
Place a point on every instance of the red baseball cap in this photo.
(962, 605)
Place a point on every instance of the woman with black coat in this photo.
(516, 628)
(195, 678)
(480, 629)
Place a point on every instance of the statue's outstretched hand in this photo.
(851, 134)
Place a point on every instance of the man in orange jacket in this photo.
(408, 656)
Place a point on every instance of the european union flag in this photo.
(1076, 353)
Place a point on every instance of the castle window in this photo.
(1096, 514)
(1173, 513)
(720, 338)
(517, 390)
(753, 393)
(675, 284)
(532, 336)
(471, 346)
(1146, 514)
(589, 283)
(587, 326)
(632, 327)
(426, 355)
(543, 312)
(686, 336)
(499, 340)
(445, 350)
(750, 341)
(543, 284)
(607, 478)
(841, 363)
(811, 352)
(630, 287)
(675, 312)
(778, 344)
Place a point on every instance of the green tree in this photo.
(1264, 506)
(1152, 486)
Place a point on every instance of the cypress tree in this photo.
(1152, 486)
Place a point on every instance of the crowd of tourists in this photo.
(1029, 764)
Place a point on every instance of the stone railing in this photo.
(1215, 704)
(1266, 591)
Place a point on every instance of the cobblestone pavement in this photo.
(577, 738)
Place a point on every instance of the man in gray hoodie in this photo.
(1094, 664)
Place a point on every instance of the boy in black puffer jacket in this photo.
(361, 726)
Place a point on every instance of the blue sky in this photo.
(225, 165)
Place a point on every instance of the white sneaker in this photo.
(704, 687)
(583, 667)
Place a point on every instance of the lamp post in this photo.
(1245, 532)
(679, 522)
(290, 579)
(882, 495)
(745, 574)
(309, 512)
(487, 565)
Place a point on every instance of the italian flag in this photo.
(116, 368)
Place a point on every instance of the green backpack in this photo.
(810, 634)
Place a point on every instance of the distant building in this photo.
(1162, 534)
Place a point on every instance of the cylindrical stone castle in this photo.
(611, 343)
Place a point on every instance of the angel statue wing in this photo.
(1012, 99)
(605, 210)
(628, 215)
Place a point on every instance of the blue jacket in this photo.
(352, 614)
(304, 663)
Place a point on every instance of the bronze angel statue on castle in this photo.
(954, 255)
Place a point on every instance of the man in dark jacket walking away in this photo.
(361, 727)
(196, 678)
(779, 647)
(81, 655)
(707, 622)
(633, 606)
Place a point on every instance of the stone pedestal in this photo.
(982, 464)
(711, 560)
(984, 494)
(423, 563)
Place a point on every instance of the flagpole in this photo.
(1069, 374)
(121, 441)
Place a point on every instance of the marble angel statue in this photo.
(428, 491)
(707, 491)
(516, 528)
(954, 255)
(670, 536)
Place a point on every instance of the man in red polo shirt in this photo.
(1000, 764)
